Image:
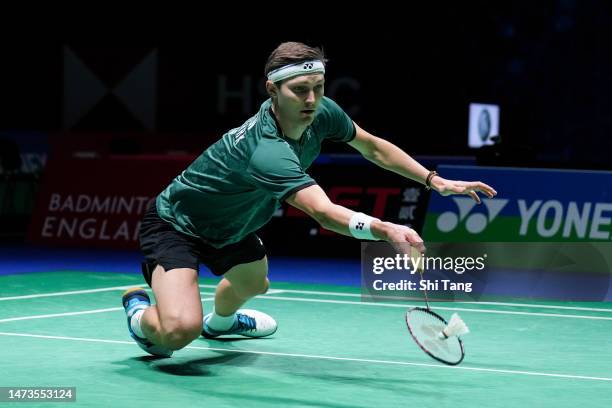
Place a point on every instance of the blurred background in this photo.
(89, 134)
(515, 93)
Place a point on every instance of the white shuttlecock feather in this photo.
(456, 327)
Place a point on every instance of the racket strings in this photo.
(425, 328)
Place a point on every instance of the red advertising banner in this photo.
(355, 184)
(99, 202)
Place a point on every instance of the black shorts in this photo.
(162, 245)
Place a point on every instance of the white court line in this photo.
(459, 309)
(313, 292)
(535, 305)
(12, 319)
(319, 357)
(112, 309)
(274, 291)
(108, 289)
(305, 292)
(588, 309)
(72, 292)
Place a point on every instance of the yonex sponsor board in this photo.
(531, 205)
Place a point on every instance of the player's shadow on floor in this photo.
(246, 399)
(197, 367)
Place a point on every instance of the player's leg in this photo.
(240, 284)
(171, 270)
(176, 318)
(245, 269)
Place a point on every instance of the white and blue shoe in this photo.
(249, 323)
(136, 299)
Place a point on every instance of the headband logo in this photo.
(297, 69)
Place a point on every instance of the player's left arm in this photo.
(390, 157)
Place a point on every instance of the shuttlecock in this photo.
(455, 327)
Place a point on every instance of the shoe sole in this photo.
(133, 291)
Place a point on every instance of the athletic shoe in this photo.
(249, 323)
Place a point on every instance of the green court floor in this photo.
(331, 350)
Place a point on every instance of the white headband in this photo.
(293, 70)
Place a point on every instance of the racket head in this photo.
(424, 326)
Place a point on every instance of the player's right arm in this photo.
(314, 202)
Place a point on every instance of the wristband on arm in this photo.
(359, 226)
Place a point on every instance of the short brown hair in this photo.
(292, 53)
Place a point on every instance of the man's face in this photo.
(299, 98)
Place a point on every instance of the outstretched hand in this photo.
(472, 188)
(404, 239)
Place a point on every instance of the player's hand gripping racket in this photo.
(434, 335)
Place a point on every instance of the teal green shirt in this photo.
(234, 187)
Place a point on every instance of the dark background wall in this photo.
(408, 79)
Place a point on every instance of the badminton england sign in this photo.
(102, 203)
(532, 205)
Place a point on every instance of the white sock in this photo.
(221, 323)
(135, 324)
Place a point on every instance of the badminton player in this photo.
(210, 212)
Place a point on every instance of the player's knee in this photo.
(179, 332)
(261, 286)
(266, 286)
(181, 337)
